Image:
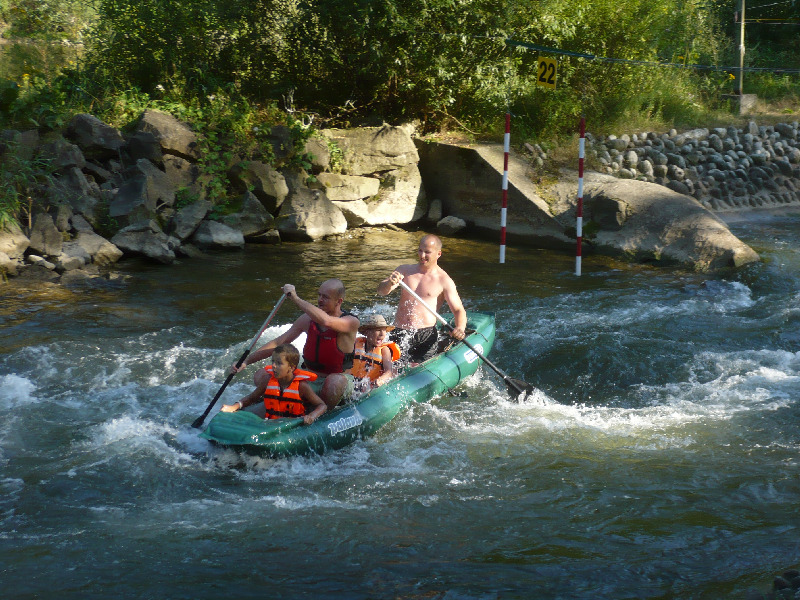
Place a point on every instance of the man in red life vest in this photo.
(330, 344)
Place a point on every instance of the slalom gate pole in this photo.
(504, 206)
(579, 211)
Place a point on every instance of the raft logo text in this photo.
(471, 355)
(345, 423)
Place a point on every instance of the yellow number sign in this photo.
(547, 73)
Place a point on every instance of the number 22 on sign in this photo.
(547, 73)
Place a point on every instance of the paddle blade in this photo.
(517, 387)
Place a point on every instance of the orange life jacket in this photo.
(370, 364)
(286, 403)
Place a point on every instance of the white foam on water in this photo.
(566, 319)
(138, 361)
(301, 502)
(41, 361)
(723, 386)
(351, 461)
(189, 439)
(432, 439)
(722, 296)
(16, 391)
(129, 435)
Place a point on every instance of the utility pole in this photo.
(739, 87)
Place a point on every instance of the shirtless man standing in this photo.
(330, 344)
(415, 325)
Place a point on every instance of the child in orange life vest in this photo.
(372, 363)
(283, 388)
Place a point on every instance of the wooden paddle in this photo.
(515, 386)
(198, 422)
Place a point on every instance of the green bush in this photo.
(21, 177)
(349, 62)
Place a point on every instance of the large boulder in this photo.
(160, 189)
(182, 174)
(637, 220)
(651, 223)
(399, 199)
(252, 220)
(355, 212)
(146, 189)
(62, 154)
(188, 219)
(145, 238)
(282, 141)
(367, 150)
(13, 242)
(45, 238)
(97, 139)
(132, 203)
(143, 144)
(174, 136)
(267, 184)
(81, 225)
(63, 217)
(217, 236)
(344, 188)
(72, 188)
(309, 215)
(467, 180)
(8, 265)
(318, 152)
(101, 252)
(99, 174)
(73, 256)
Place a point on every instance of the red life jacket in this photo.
(321, 352)
(370, 364)
(287, 402)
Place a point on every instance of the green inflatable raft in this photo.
(245, 431)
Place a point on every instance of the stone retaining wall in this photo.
(723, 168)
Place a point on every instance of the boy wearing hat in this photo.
(372, 363)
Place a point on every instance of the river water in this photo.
(657, 458)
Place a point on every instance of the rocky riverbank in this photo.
(108, 194)
(148, 195)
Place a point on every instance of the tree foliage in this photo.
(443, 62)
(41, 36)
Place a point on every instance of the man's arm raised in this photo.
(343, 324)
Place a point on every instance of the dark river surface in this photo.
(657, 458)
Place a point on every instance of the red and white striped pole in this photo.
(504, 206)
(579, 224)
